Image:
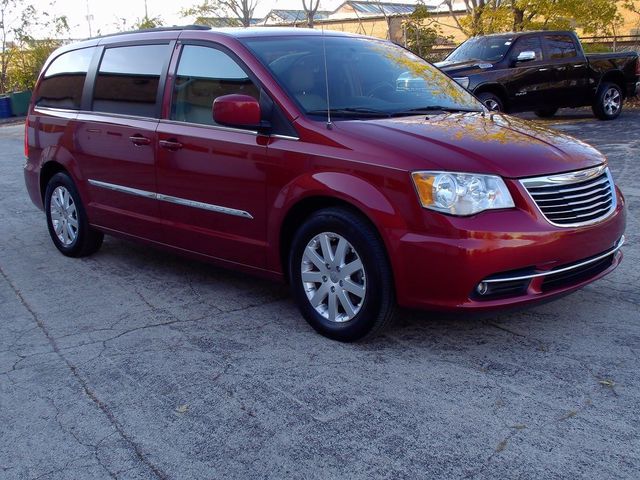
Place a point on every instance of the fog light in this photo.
(482, 288)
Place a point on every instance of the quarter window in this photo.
(128, 79)
(61, 85)
(560, 46)
(203, 75)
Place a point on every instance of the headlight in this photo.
(461, 193)
(463, 81)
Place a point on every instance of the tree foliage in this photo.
(421, 32)
(489, 16)
(22, 55)
(237, 12)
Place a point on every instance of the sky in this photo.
(106, 13)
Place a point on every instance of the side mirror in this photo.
(235, 110)
(526, 56)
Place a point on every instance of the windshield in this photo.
(486, 49)
(367, 78)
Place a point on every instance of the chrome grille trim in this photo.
(573, 199)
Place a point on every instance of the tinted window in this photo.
(486, 49)
(62, 83)
(531, 44)
(203, 75)
(128, 79)
(560, 46)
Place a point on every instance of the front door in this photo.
(211, 179)
(529, 83)
(116, 141)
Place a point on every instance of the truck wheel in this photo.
(491, 101)
(608, 102)
(340, 276)
(546, 113)
(67, 220)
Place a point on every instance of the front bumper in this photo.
(534, 259)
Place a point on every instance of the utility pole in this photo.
(89, 17)
(146, 12)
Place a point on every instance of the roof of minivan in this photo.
(173, 33)
(278, 32)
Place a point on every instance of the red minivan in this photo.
(342, 164)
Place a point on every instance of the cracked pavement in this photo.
(137, 364)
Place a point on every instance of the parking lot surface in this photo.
(137, 364)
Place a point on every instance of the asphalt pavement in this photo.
(137, 364)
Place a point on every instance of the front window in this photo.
(366, 78)
(481, 49)
(203, 75)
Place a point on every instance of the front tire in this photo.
(67, 219)
(492, 101)
(608, 102)
(340, 276)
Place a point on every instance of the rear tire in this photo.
(67, 219)
(340, 276)
(546, 112)
(492, 101)
(608, 102)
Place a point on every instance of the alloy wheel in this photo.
(64, 216)
(611, 101)
(333, 277)
(492, 105)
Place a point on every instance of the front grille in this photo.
(573, 199)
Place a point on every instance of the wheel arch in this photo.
(48, 170)
(616, 77)
(330, 189)
(496, 89)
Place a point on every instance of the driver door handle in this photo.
(139, 140)
(172, 144)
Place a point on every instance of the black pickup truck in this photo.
(543, 71)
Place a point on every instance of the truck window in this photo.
(203, 75)
(61, 85)
(128, 79)
(560, 46)
(528, 44)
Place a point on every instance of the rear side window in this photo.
(203, 75)
(560, 46)
(62, 83)
(128, 79)
(530, 44)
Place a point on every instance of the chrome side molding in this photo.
(170, 199)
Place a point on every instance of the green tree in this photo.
(236, 12)
(22, 55)
(489, 16)
(421, 32)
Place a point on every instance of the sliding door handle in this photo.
(172, 145)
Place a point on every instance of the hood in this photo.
(475, 143)
(467, 67)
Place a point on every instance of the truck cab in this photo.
(543, 71)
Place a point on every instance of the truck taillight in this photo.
(26, 138)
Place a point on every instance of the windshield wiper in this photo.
(434, 108)
(351, 111)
